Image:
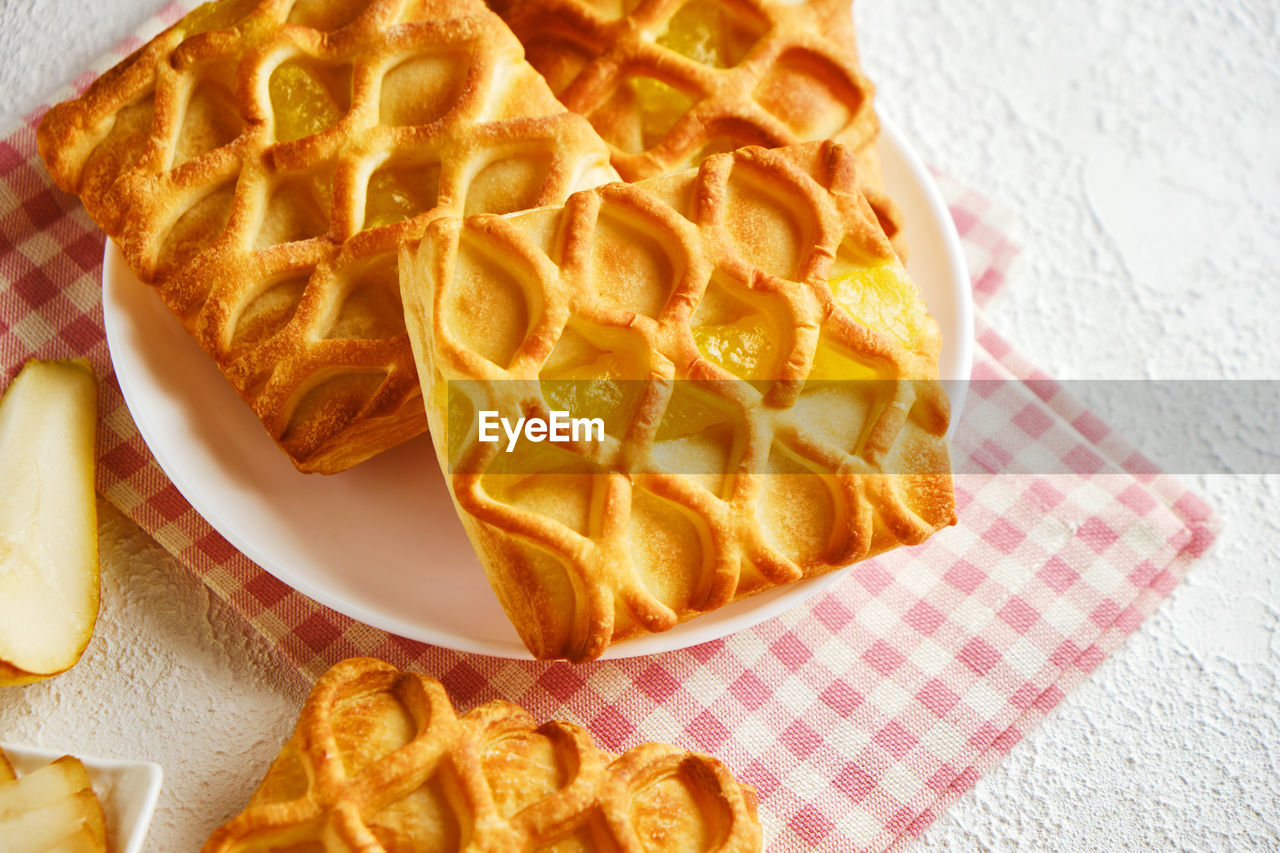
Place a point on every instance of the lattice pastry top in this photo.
(669, 82)
(260, 163)
(380, 762)
(764, 370)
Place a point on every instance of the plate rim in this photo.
(755, 610)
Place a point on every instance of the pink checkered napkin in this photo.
(858, 716)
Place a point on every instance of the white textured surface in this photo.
(173, 676)
(1137, 141)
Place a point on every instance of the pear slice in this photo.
(39, 788)
(48, 519)
(52, 809)
(81, 841)
(38, 829)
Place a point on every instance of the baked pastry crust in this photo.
(380, 761)
(668, 82)
(260, 163)
(759, 278)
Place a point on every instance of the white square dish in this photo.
(129, 790)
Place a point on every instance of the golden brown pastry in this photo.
(668, 82)
(381, 762)
(261, 162)
(763, 368)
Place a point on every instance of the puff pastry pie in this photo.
(261, 161)
(380, 761)
(669, 82)
(764, 370)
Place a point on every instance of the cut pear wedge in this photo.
(49, 584)
(52, 809)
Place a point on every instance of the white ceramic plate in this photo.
(128, 791)
(381, 542)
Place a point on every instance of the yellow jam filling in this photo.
(215, 16)
(879, 296)
(322, 187)
(398, 194)
(659, 107)
(597, 389)
(307, 98)
(883, 298)
(830, 362)
(740, 347)
(706, 32)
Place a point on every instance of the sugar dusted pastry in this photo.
(670, 81)
(261, 161)
(380, 762)
(763, 367)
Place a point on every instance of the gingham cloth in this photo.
(858, 716)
